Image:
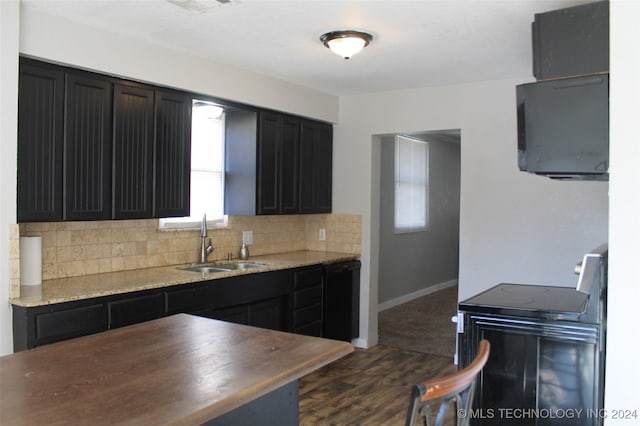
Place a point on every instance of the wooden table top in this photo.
(180, 370)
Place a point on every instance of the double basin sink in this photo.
(223, 267)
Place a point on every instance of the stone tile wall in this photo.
(84, 248)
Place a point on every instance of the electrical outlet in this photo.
(247, 237)
(322, 235)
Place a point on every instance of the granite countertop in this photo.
(89, 286)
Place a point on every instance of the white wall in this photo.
(48, 37)
(514, 227)
(622, 372)
(9, 17)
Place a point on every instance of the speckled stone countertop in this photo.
(88, 286)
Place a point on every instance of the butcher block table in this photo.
(182, 370)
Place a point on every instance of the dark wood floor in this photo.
(367, 387)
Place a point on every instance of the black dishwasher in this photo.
(342, 300)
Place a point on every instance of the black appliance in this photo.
(342, 300)
(546, 365)
(563, 127)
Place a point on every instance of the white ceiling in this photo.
(416, 43)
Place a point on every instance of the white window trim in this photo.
(411, 228)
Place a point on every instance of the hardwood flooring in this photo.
(373, 386)
(367, 387)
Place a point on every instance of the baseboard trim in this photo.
(411, 296)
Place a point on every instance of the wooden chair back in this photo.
(440, 393)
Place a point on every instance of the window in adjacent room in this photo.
(411, 184)
(207, 168)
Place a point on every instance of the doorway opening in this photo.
(418, 269)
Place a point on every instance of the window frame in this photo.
(422, 182)
(181, 223)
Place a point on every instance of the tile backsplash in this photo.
(84, 248)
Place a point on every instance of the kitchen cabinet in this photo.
(172, 153)
(571, 42)
(91, 147)
(42, 325)
(261, 300)
(285, 300)
(87, 146)
(40, 139)
(341, 309)
(144, 306)
(316, 153)
(133, 151)
(277, 164)
(307, 300)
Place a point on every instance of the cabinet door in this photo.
(289, 166)
(69, 323)
(316, 150)
(88, 144)
(270, 133)
(40, 139)
(173, 154)
(133, 152)
(269, 313)
(136, 309)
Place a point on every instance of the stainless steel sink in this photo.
(240, 265)
(205, 269)
(223, 267)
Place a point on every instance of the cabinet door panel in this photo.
(316, 150)
(40, 139)
(173, 154)
(88, 147)
(268, 314)
(268, 163)
(289, 166)
(133, 152)
(66, 324)
(135, 310)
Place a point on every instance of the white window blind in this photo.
(411, 184)
(207, 167)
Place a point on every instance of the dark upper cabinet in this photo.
(316, 151)
(572, 41)
(277, 164)
(94, 148)
(133, 152)
(172, 154)
(40, 136)
(268, 163)
(87, 146)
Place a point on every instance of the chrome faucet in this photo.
(205, 250)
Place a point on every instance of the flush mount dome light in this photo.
(345, 43)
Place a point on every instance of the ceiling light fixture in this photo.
(346, 43)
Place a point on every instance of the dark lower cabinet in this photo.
(308, 284)
(284, 300)
(42, 325)
(136, 309)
